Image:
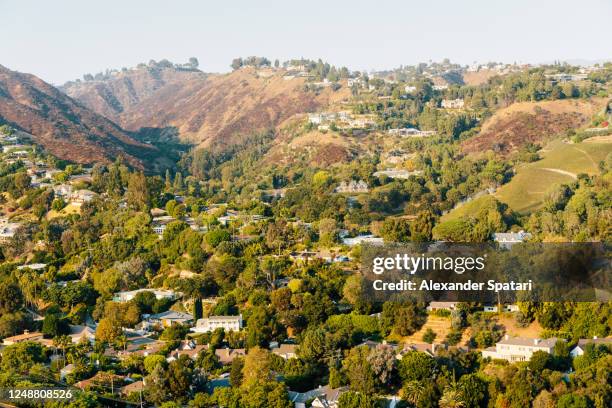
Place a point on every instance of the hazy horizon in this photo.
(63, 40)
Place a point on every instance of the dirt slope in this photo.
(61, 125)
(535, 122)
(208, 110)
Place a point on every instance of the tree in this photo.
(417, 366)
(257, 368)
(473, 390)
(152, 361)
(137, 194)
(359, 370)
(539, 361)
(179, 377)
(157, 387)
(22, 356)
(382, 359)
(356, 400)
(429, 336)
(54, 325)
(107, 330)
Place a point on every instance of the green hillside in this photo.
(560, 164)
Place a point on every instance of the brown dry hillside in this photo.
(525, 122)
(126, 89)
(62, 126)
(216, 109)
(479, 77)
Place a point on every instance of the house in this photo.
(453, 103)
(433, 306)
(300, 399)
(159, 224)
(505, 308)
(82, 196)
(170, 317)
(227, 355)
(580, 347)
(439, 87)
(188, 348)
(397, 174)
(519, 348)
(8, 230)
(329, 397)
(63, 191)
(429, 349)
(285, 351)
(136, 386)
(64, 372)
(409, 89)
(352, 186)
(142, 346)
(304, 256)
(227, 323)
(362, 239)
(25, 336)
(411, 132)
(507, 239)
(82, 333)
(34, 266)
(126, 296)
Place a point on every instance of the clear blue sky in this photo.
(60, 40)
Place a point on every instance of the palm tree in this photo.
(452, 398)
(412, 392)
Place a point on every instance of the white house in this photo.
(442, 306)
(397, 174)
(368, 239)
(81, 333)
(159, 224)
(131, 294)
(505, 308)
(580, 347)
(507, 239)
(453, 103)
(519, 348)
(352, 187)
(208, 324)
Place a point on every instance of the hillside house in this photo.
(286, 351)
(507, 239)
(580, 347)
(79, 334)
(397, 174)
(169, 318)
(433, 306)
(126, 296)
(227, 355)
(453, 103)
(227, 323)
(519, 348)
(409, 89)
(362, 239)
(188, 348)
(7, 229)
(505, 308)
(63, 191)
(411, 132)
(329, 398)
(34, 266)
(82, 196)
(159, 224)
(25, 336)
(352, 186)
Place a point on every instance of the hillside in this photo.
(116, 93)
(531, 122)
(61, 125)
(561, 163)
(207, 110)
